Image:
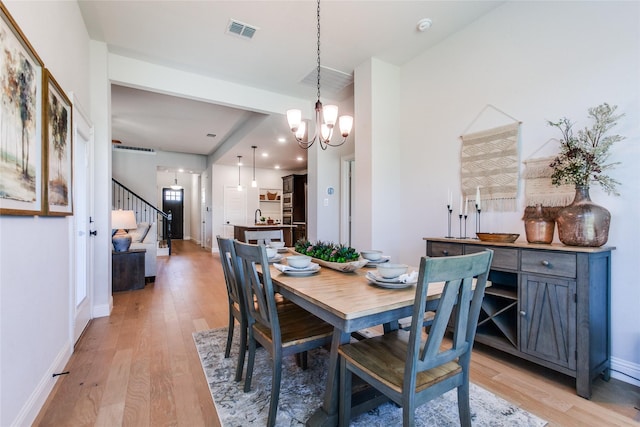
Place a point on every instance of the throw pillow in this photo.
(139, 233)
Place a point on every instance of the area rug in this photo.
(302, 391)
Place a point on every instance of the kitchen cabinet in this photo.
(549, 304)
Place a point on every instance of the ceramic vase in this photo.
(539, 229)
(583, 223)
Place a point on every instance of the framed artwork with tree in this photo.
(59, 148)
(21, 146)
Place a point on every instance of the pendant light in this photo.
(254, 184)
(239, 164)
(325, 116)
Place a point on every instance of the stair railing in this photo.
(125, 199)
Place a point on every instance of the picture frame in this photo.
(58, 142)
(21, 145)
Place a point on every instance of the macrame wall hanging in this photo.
(490, 161)
(538, 187)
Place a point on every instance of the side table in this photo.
(127, 270)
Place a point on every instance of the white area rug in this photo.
(302, 391)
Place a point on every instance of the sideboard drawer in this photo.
(502, 258)
(445, 249)
(547, 262)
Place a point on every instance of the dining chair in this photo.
(263, 237)
(411, 368)
(282, 332)
(236, 301)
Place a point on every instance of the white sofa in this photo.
(150, 243)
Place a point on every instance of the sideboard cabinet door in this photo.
(548, 319)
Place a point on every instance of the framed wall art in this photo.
(58, 148)
(21, 147)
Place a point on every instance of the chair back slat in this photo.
(457, 299)
(263, 237)
(258, 289)
(227, 254)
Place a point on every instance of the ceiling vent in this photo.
(330, 80)
(140, 150)
(240, 29)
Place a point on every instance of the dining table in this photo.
(350, 303)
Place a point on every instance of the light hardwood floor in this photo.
(139, 367)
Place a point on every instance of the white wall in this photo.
(36, 252)
(535, 61)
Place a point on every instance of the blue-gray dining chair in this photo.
(410, 369)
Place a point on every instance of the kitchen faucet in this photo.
(255, 215)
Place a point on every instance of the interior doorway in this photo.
(173, 202)
(347, 202)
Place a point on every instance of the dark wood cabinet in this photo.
(127, 270)
(549, 304)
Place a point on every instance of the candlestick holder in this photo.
(465, 227)
(460, 226)
(449, 210)
(478, 211)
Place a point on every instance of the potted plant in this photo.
(583, 160)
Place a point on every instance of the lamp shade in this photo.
(125, 220)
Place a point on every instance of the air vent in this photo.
(331, 80)
(240, 29)
(140, 150)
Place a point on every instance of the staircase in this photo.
(125, 199)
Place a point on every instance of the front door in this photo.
(172, 201)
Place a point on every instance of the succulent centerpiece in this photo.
(336, 256)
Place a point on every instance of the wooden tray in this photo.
(498, 237)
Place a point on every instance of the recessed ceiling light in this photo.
(281, 139)
(276, 167)
(265, 154)
(299, 158)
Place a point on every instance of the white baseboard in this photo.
(629, 368)
(36, 401)
(103, 310)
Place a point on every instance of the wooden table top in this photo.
(349, 295)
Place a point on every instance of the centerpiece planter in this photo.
(583, 223)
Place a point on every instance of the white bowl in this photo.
(299, 261)
(390, 271)
(371, 255)
(277, 245)
(271, 252)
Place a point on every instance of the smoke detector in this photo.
(424, 24)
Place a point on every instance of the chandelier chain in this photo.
(318, 65)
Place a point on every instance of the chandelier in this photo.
(326, 117)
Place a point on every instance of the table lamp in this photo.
(122, 221)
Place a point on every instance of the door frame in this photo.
(347, 195)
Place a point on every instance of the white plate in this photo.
(397, 285)
(282, 250)
(306, 272)
(385, 258)
(394, 281)
(276, 258)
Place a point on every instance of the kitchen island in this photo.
(287, 231)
